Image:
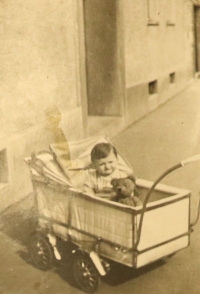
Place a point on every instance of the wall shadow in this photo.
(19, 224)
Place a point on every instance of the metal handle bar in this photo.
(181, 164)
(190, 159)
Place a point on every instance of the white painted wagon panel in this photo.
(164, 250)
(164, 223)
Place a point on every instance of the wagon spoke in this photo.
(86, 274)
(41, 252)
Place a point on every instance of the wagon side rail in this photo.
(168, 171)
(197, 213)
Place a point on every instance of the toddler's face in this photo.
(107, 165)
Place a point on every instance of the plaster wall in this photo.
(39, 60)
(153, 50)
(40, 70)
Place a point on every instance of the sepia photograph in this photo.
(100, 146)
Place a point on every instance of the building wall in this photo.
(155, 46)
(40, 70)
(104, 83)
(155, 39)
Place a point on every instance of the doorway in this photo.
(104, 71)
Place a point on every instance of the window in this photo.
(3, 167)
(172, 77)
(153, 7)
(153, 87)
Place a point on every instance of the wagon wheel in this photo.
(41, 252)
(85, 274)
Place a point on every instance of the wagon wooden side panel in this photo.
(166, 224)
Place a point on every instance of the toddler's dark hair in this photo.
(102, 150)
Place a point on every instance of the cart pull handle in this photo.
(181, 164)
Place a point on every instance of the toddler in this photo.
(105, 162)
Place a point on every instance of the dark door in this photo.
(104, 83)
